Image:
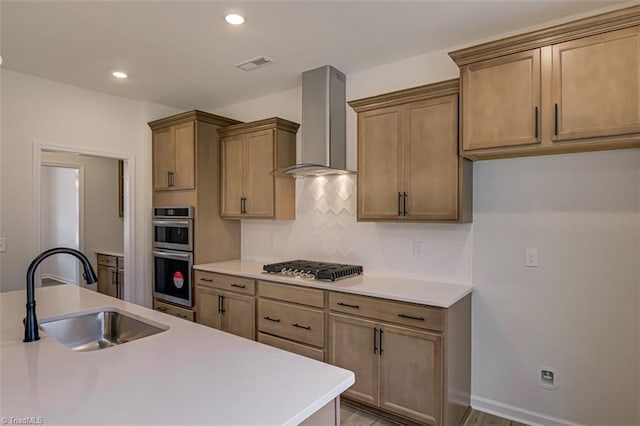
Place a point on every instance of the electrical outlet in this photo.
(547, 377)
(531, 257)
(418, 248)
(3, 245)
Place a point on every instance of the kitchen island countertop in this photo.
(423, 292)
(187, 374)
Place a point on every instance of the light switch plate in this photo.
(3, 245)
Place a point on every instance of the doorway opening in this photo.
(60, 220)
(83, 203)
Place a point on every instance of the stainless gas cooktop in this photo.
(314, 270)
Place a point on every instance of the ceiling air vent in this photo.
(254, 63)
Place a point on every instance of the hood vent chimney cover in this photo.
(254, 63)
(324, 149)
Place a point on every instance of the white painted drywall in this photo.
(578, 311)
(103, 227)
(41, 112)
(581, 211)
(59, 220)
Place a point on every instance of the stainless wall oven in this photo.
(173, 254)
(172, 276)
(173, 228)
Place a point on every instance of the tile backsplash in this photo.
(326, 229)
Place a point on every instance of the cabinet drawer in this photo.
(121, 263)
(385, 310)
(105, 260)
(297, 323)
(173, 310)
(293, 294)
(226, 282)
(290, 346)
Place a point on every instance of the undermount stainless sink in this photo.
(98, 330)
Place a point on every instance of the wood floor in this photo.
(48, 282)
(352, 417)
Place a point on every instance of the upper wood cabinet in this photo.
(250, 152)
(501, 101)
(408, 163)
(174, 157)
(569, 88)
(174, 148)
(596, 85)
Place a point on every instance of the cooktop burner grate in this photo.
(314, 270)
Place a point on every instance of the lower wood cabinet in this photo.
(226, 311)
(412, 362)
(292, 318)
(397, 369)
(111, 275)
(170, 309)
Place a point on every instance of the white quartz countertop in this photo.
(189, 374)
(405, 290)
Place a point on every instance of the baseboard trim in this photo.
(516, 413)
(57, 278)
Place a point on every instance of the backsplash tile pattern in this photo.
(326, 229)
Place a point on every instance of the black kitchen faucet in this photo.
(30, 321)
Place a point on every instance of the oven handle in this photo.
(171, 222)
(173, 255)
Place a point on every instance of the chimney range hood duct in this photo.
(324, 135)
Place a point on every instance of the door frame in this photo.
(80, 168)
(129, 175)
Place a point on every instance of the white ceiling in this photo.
(182, 53)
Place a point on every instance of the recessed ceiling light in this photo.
(119, 74)
(234, 19)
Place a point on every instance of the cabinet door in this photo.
(596, 85)
(258, 181)
(379, 164)
(239, 315)
(105, 276)
(351, 346)
(185, 156)
(163, 158)
(207, 307)
(108, 281)
(232, 175)
(411, 374)
(120, 277)
(431, 159)
(501, 101)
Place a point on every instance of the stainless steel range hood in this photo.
(324, 135)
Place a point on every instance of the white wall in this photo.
(59, 223)
(41, 112)
(578, 312)
(581, 211)
(103, 227)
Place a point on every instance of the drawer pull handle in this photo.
(209, 280)
(272, 319)
(348, 305)
(410, 317)
(308, 327)
(161, 309)
(239, 285)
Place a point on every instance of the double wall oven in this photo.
(173, 254)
